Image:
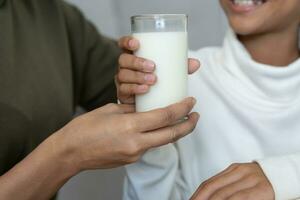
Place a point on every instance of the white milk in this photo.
(169, 52)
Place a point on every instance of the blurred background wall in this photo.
(207, 25)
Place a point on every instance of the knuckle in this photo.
(130, 125)
(203, 184)
(122, 58)
(206, 188)
(133, 150)
(137, 62)
(125, 89)
(233, 166)
(132, 89)
(206, 185)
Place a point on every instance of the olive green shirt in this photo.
(51, 60)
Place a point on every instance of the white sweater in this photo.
(249, 111)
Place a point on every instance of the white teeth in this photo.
(248, 2)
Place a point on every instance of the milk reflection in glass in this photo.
(168, 49)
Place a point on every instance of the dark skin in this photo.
(270, 34)
(237, 182)
(107, 137)
(271, 37)
(135, 74)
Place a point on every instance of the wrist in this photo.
(63, 154)
(45, 170)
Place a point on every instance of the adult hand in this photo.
(136, 74)
(238, 182)
(112, 136)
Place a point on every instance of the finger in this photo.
(127, 99)
(152, 120)
(129, 76)
(211, 186)
(123, 98)
(194, 65)
(129, 43)
(133, 89)
(132, 62)
(170, 134)
(227, 170)
(233, 188)
(127, 108)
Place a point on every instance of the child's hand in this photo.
(135, 74)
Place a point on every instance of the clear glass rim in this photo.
(158, 16)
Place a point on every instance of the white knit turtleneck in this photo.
(249, 111)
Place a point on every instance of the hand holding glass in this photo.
(163, 39)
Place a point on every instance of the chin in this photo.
(246, 27)
(248, 17)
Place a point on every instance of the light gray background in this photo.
(207, 25)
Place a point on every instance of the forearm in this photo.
(39, 175)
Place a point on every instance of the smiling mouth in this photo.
(248, 2)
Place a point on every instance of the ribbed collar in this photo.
(270, 83)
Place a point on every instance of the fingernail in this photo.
(142, 88)
(150, 78)
(197, 62)
(149, 66)
(132, 43)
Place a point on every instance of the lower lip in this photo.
(243, 8)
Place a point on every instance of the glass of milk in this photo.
(163, 39)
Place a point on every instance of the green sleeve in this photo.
(94, 61)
